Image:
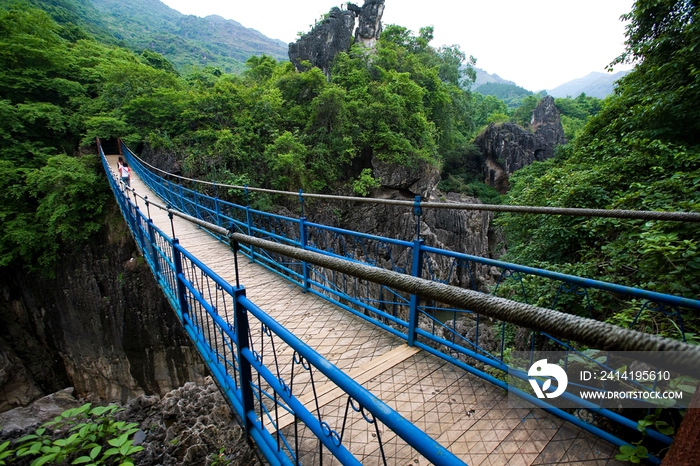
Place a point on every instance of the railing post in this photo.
(416, 271)
(137, 226)
(179, 278)
(245, 372)
(301, 202)
(216, 204)
(196, 204)
(417, 211)
(249, 222)
(169, 191)
(154, 248)
(303, 241)
(132, 221)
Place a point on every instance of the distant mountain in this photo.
(482, 77)
(502, 90)
(595, 84)
(511, 94)
(185, 40)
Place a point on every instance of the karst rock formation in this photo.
(507, 147)
(335, 34)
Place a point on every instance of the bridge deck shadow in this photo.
(466, 414)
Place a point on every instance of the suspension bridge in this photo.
(326, 343)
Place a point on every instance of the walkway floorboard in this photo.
(466, 414)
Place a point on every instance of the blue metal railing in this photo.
(220, 320)
(430, 326)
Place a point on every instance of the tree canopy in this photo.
(403, 103)
(288, 130)
(641, 152)
(50, 81)
(271, 126)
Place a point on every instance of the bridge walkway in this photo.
(466, 414)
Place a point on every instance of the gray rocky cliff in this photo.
(508, 147)
(546, 123)
(335, 34)
(192, 425)
(324, 42)
(413, 181)
(370, 23)
(101, 325)
(468, 232)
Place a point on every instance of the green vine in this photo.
(637, 452)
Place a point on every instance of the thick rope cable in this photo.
(693, 217)
(667, 353)
(593, 333)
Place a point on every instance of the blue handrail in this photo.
(394, 311)
(227, 348)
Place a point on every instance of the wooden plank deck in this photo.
(466, 414)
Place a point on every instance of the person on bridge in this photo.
(125, 173)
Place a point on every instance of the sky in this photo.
(538, 44)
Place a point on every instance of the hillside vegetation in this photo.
(270, 126)
(186, 41)
(403, 103)
(511, 94)
(639, 152)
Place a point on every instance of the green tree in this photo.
(48, 208)
(288, 160)
(261, 68)
(663, 91)
(640, 151)
(56, 93)
(523, 114)
(158, 61)
(487, 106)
(511, 94)
(575, 113)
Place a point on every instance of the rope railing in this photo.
(678, 216)
(287, 249)
(219, 320)
(673, 354)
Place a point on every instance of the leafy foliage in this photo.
(403, 103)
(289, 130)
(85, 435)
(58, 89)
(662, 93)
(510, 94)
(271, 125)
(575, 113)
(637, 452)
(365, 183)
(633, 154)
(152, 27)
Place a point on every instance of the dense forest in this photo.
(510, 94)
(187, 41)
(640, 151)
(406, 103)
